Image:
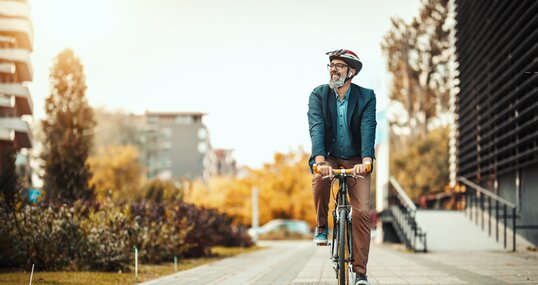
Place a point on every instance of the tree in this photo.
(68, 128)
(285, 191)
(422, 168)
(114, 128)
(9, 180)
(117, 172)
(418, 56)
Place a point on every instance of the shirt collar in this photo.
(345, 96)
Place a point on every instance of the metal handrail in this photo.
(403, 214)
(486, 192)
(401, 194)
(485, 201)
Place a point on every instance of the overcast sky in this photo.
(250, 65)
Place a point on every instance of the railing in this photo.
(479, 201)
(403, 212)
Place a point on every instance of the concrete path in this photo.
(279, 264)
(451, 230)
(301, 263)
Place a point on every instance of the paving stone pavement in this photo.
(278, 264)
(302, 263)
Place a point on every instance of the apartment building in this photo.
(16, 36)
(175, 144)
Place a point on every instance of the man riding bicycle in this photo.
(341, 119)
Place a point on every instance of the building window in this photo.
(184, 120)
(202, 134)
(202, 147)
(166, 133)
(166, 145)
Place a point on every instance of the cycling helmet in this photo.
(348, 56)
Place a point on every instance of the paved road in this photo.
(300, 263)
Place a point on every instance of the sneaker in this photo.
(361, 279)
(320, 236)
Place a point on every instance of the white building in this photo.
(16, 36)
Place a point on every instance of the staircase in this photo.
(452, 231)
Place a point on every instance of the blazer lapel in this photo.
(332, 107)
(353, 100)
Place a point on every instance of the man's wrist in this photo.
(319, 159)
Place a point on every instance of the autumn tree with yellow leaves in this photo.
(284, 187)
(116, 171)
(419, 56)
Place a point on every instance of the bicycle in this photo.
(341, 247)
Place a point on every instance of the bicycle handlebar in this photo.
(342, 170)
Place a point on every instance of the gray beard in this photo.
(337, 83)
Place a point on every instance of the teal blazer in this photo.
(360, 120)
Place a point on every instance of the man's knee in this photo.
(363, 214)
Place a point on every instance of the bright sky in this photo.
(250, 65)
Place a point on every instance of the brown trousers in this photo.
(359, 195)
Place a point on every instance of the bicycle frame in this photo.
(342, 256)
(342, 210)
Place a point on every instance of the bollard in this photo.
(175, 263)
(32, 274)
(136, 263)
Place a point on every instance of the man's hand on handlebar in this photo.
(362, 169)
(325, 170)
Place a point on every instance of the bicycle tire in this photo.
(342, 253)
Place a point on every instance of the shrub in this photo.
(101, 237)
(209, 228)
(107, 242)
(48, 237)
(159, 233)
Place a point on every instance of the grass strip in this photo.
(145, 271)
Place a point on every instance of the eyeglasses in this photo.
(337, 65)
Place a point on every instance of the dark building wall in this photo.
(529, 201)
(497, 106)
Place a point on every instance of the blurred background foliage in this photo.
(419, 58)
(284, 188)
(98, 205)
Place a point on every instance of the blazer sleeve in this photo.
(316, 124)
(368, 125)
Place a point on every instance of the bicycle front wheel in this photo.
(342, 252)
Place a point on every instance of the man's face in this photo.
(338, 73)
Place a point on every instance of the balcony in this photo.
(23, 100)
(21, 58)
(19, 9)
(20, 29)
(17, 130)
(7, 67)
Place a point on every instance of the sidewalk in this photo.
(392, 265)
(302, 263)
